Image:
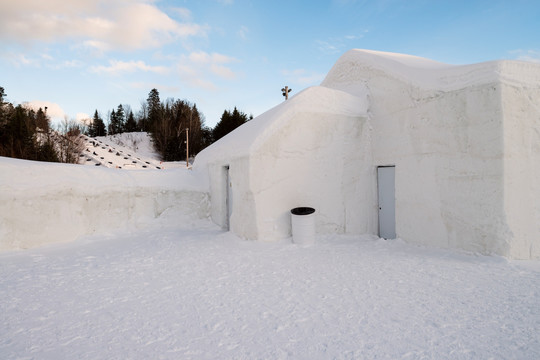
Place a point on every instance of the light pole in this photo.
(187, 147)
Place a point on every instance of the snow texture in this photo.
(192, 291)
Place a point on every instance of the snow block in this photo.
(44, 203)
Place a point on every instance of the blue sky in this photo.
(82, 55)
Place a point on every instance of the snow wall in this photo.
(276, 162)
(465, 143)
(43, 203)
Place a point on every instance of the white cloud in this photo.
(183, 13)
(116, 67)
(302, 77)
(338, 44)
(53, 110)
(202, 57)
(243, 32)
(195, 68)
(328, 47)
(83, 117)
(222, 71)
(101, 25)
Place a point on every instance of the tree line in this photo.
(172, 124)
(26, 134)
(166, 122)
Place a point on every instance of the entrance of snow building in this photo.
(387, 201)
(228, 198)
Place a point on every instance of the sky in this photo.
(79, 56)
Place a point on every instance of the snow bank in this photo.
(43, 203)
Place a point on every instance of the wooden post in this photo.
(187, 147)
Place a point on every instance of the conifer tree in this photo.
(42, 121)
(130, 125)
(154, 110)
(113, 123)
(97, 128)
(120, 119)
(228, 122)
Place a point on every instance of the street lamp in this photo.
(187, 147)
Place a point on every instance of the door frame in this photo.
(386, 201)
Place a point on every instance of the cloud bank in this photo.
(100, 25)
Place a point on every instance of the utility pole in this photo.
(285, 91)
(187, 147)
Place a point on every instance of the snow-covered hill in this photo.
(123, 151)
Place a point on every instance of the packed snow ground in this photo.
(184, 289)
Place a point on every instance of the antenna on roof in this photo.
(285, 91)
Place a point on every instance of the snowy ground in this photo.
(187, 290)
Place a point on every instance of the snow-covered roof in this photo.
(345, 91)
(351, 70)
(249, 136)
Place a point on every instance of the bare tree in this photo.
(69, 142)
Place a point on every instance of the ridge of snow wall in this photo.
(464, 141)
(43, 203)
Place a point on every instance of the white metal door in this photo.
(229, 198)
(387, 202)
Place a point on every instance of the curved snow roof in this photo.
(352, 69)
(346, 88)
(316, 99)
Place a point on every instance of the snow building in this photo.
(392, 145)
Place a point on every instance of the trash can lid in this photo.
(302, 211)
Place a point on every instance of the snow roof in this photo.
(349, 72)
(345, 91)
(249, 136)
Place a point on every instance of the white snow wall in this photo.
(311, 151)
(465, 143)
(520, 92)
(323, 170)
(48, 203)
